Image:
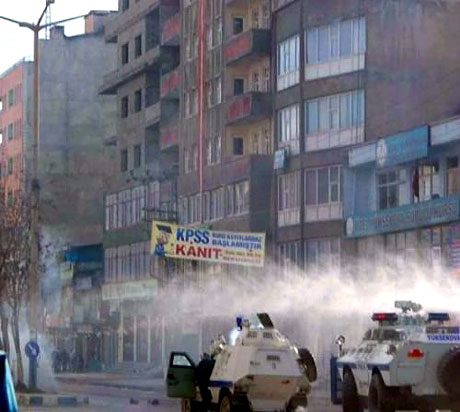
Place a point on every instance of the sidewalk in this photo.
(113, 380)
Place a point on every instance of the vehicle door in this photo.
(181, 380)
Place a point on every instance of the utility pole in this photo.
(34, 307)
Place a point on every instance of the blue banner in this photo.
(406, 217)
(402, 147)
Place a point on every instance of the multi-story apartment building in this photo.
(15, 92)
(257, 108)
(143, 187)
(349, 73)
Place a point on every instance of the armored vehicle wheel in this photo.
(308, 363)
(350, 398)
(449, 372)
(380, 397)
(299, 400)
(225, 403)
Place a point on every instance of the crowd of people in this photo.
(62, 361)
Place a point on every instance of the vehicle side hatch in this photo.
(181, 380)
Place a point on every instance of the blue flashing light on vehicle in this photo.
(438, 317)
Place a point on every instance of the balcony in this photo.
(169, 137)
(127, 72)
(278, 4)
(152, 114)
(246, 167)
(170, 85)
(248, 107)
(248, 45)
(170, 33)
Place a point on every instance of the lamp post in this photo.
(35, 187)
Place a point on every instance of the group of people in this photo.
(64, 362)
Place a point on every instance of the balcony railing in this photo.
(250, 44)
(125, 73)
(170, 85)
(170, 33)
(248, 107)
(169, 137)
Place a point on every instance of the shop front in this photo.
(403, 204)
(136, 329)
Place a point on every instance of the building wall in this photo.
(408, 74)
(14, 126)
(73, 167)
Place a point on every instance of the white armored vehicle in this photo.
(407, 361)
(262, 371)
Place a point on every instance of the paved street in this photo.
(116, 397)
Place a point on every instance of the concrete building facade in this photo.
(15, 123)
(245, 116)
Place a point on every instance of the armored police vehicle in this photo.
(261, 371)
(407, 361)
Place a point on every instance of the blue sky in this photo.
(16, 42)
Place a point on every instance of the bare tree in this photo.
(15, 255)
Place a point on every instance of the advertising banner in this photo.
(181, 242)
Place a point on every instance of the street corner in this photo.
(51, 400)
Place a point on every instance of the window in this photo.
(111, 212)
(241, 197)
(238, 146)
(218, 148)
(341, 114)
(138, 101)
(124, 160)
(336, 41)
(429, 181)
(1, 104)
(124, 5)
(138, 204)
(323, 185)
(289, 126)
(10, 166)
(191, 35)
(218, 90)
(10, 97)
(125, 54)
(289, 256)
(238, 87)
(10, 132)
(255, 82)
(389, 184)
(453, 182)
(230, 200)
(238, 25)
(124, 107)
(289, 199)
(288, 63)
(341, 111)
(10, 199)
(1, 136)
(138, 46)
(322, 254)
(137, 156)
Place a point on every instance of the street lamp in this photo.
(35, 187)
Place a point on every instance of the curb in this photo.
(51, 400)
(113, 385)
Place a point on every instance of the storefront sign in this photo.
(83, 283)
(180, 242)
(404, 217)
(362, 155)
(445, 132)
(402, 147)
(129, 290)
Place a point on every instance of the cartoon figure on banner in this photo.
(162, 239)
